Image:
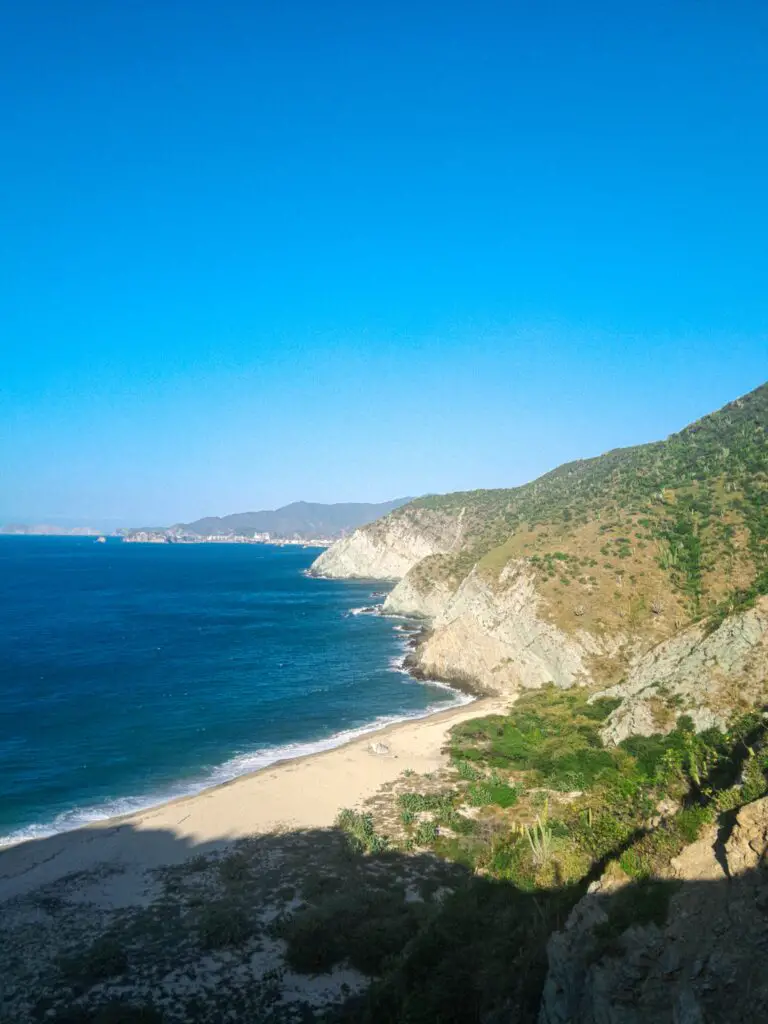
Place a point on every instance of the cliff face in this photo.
(423, 593)
(490, 634)
(602, 572)
(491, 631)
(497, 630)
(707, 676)
(388, 548)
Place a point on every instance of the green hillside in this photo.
(689, 514)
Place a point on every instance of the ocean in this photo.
(131, 674)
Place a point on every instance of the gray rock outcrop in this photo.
(492, 632)
(707, 676)
(388, 548)
(708, 962)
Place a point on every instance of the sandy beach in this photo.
(115, 857)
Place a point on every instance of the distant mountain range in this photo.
(303, 519)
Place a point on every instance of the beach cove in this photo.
(305, 793)
(176, 910)
(137, 674)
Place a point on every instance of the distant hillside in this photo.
(305, 519)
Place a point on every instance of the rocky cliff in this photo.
(388, 548)
(708, 676)
(609, 571)
(493, 633)
(704, 958)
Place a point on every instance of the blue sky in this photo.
(251, 253)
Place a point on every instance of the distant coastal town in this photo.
(183, 537)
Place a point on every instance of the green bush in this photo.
(552, 733)
(500, 794)
(634, 864)
(363, 926)
(104, 958)
(360, 831)
(425, 834)
(222, 924)
(439, 803)
(690, 822)
(467, 771)
(234, 869)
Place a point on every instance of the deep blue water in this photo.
(131, 673)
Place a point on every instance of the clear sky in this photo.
(254, 252)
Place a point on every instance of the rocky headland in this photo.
(641, 573)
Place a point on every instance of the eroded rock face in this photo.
(707, 677)
(747, 847)
(707, 963)
(421, 594)
(491, 632)
(388, 548)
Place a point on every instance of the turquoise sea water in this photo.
(133, 673)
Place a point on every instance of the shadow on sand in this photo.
(118, 925)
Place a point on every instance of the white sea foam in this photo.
(368, 609)
(397, 664)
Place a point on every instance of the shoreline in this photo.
(89, 816)
(225, 773)
(302, 785)
(296, 794)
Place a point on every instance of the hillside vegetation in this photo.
(535, 808)
(677, 528)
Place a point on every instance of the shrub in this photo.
(754, 780)
(467, 771)
(634, 864)
(234, 869)
(425, 834)
(363, 926)
(360, 832)
(690, 822)
(601, 833)
(500, 794)
(104, 958)
(222, 924)
(540, 839)
(552, 733)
